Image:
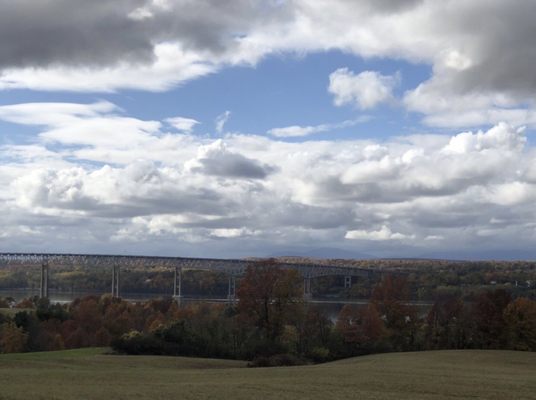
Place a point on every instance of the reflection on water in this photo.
(66, 297)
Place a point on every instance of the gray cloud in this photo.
(71, 32)
(216, 160)
(103, 33)
(234, 166)
(501, 48)
(481, 52)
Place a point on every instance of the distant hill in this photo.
(322, 252)
(506, 255)
(445, 255)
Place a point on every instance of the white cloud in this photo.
(384, 233)
(434, 237)
(512, 193)
(97, 124)
(185, 125)
(373, 170)
(157, 45)
(364, 90)
(297, 131)
(53, 113)
(231, 233)
(426, 192)
(300, 131)
(171, 67)
(221, 120)
(500, 136)
(443, 107)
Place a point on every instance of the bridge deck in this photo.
(230, 266)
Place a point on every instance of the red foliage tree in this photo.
(269, 296)
(390, 297)
(488, 315)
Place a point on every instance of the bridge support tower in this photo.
(116, 282)
(177, 285)
(43, 291)
(231, 292)
(307, 294)
(348, 282)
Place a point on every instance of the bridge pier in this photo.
(231, 292)
(307, 294)
(43, 291)
(177, 285)
(116, 274)
(348, 282)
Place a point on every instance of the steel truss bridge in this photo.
(232, 267)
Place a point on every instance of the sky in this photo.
(378, 128)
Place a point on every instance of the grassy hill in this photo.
(90, 374)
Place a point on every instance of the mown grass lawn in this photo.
(90, 374)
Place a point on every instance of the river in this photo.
(330, 306)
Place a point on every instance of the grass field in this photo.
(90, 374)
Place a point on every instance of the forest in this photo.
(270, 324)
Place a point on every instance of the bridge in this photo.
(232, 267)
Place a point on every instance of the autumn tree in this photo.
(315, 331)
(488, 314)
(372, 327)
(13, 339)
(390, 297)
(347, 324)
(268, 297)
(447, 325)
(361, 328)
(520, 318)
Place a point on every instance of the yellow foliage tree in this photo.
(13, 339)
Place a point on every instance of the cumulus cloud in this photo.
(364, 90)
(476, 77)
(216, 160)
(442, 106)
(103, 34)
(156, 45)
(178, 192)
(500, 136)
(135, 190)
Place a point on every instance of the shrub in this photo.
(137, 343)
(278, 360)
(320, 354)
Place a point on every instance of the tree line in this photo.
(271, 325)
